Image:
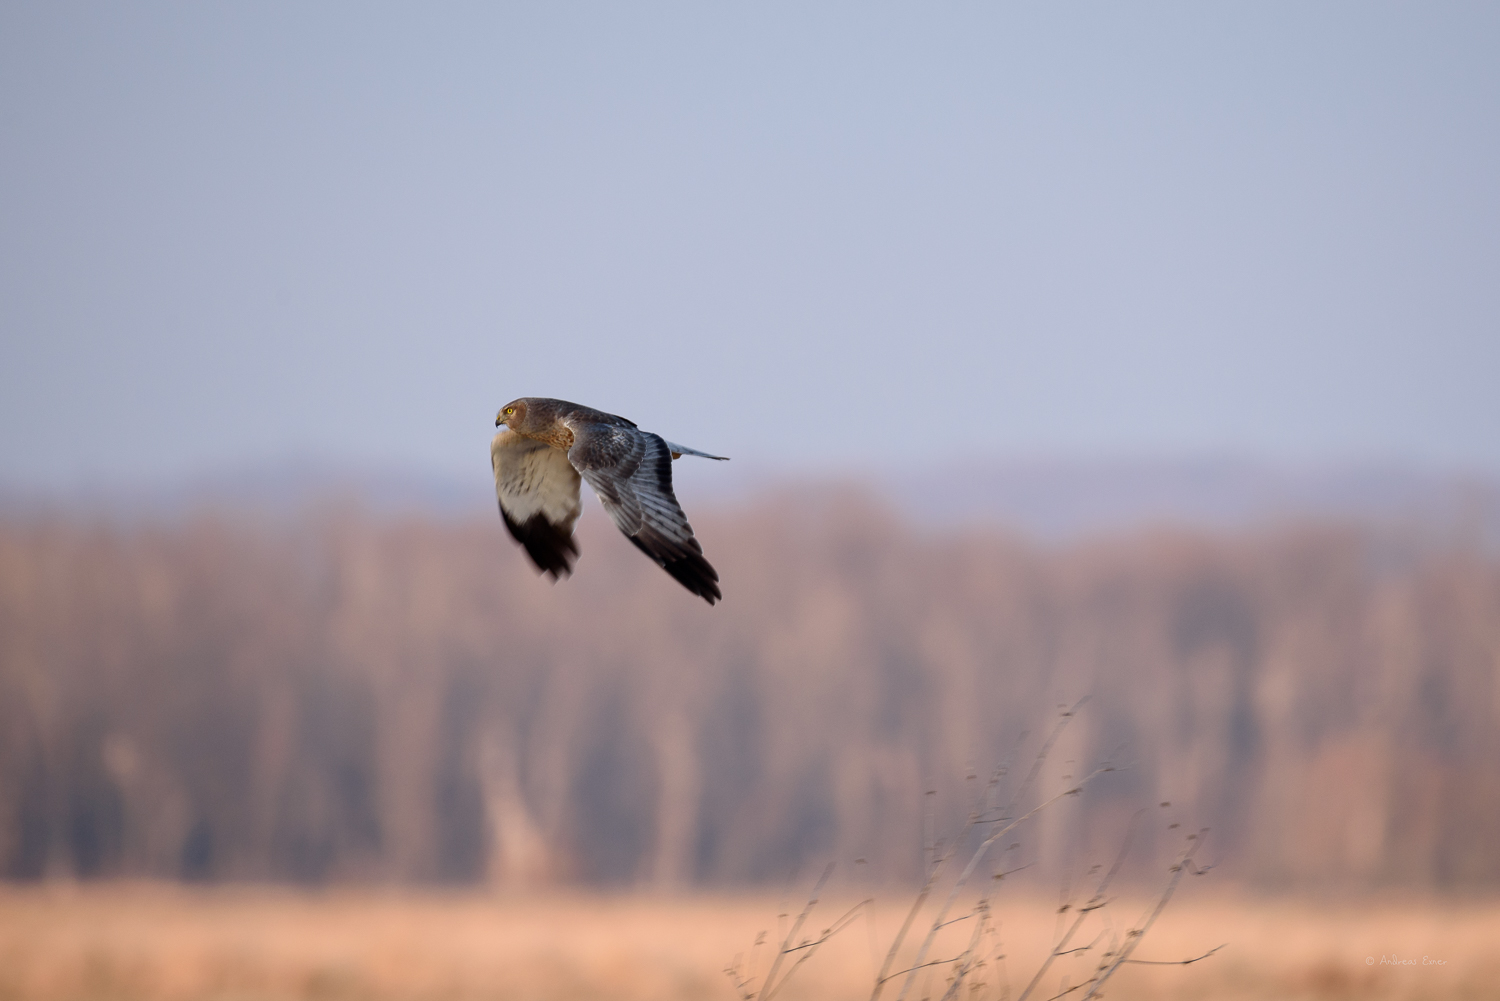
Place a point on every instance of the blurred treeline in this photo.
(344, 696)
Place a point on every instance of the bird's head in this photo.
(512, 415)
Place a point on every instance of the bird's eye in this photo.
(510, 410)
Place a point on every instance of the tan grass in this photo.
(148, 942)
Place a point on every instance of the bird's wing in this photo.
(678, 451)
(631, 471)
(537, 488)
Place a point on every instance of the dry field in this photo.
(165, 942)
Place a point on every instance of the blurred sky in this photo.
(232, 232)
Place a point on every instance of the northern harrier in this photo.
(538, 459)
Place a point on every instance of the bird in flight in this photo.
(546, 446)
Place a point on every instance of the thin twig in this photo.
(812, 947)
(733, 972)
(769, 989)
(930, 962)
(967, 960)
(1009, 872)
(1081, 948)
(1094, 904)
(843, 922)
(1133, 939)
(1042, 755)
(1176, 962)
(934, 870)
(979, 854)
(760, 940)
(846, 919)
(1036, 768)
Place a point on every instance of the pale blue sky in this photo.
(231, 233)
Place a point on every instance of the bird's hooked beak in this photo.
(500, 419)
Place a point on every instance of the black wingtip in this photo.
(689, 569)
(551, 549)
(697, 575)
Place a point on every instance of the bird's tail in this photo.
(678, 451)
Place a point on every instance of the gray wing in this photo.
(631, 471)
(537, 488)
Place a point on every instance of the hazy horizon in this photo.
(1046, 499)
